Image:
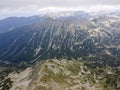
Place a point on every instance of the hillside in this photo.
(96, 39)
(63, 75)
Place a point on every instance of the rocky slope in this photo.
(63, 75)
(95, 38)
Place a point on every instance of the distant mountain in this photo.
(11, 23)
(91, 38)
(69, 15)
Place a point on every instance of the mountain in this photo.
(10, 23)
(92, 38)
(41, 36)
(69, 15)
(65, 51)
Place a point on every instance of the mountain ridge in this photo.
(91, 38)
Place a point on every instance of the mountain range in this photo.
(85, 40)
(88, 37)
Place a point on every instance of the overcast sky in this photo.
(31, 7)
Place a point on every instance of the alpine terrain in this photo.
(64, 51)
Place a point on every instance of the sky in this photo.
(35, 7)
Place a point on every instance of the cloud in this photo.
(26, 4)
(9, 7)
